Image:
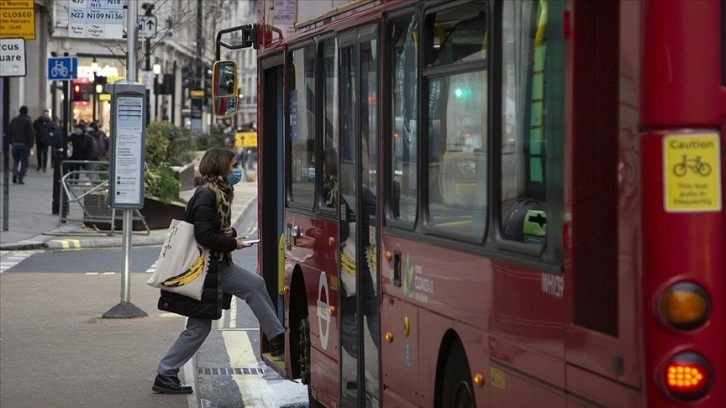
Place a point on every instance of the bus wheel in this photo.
(304, 344)
(457, 390)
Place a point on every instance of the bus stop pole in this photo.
(126, 309)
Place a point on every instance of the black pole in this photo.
(6, 149)
(147, 68)
(173, 95)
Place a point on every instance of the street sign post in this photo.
(147, 26)
(62, 68)
(12, 57)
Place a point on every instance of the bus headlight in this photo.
(685, 305)
(688, 376)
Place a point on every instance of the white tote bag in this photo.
(182, 264)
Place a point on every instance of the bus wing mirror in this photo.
(224, 79)
(225, 106)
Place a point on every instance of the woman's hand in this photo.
(241, 243)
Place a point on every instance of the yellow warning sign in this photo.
(245, 139)
(692, 170)
(17, 22)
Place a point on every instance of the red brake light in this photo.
(688, 376)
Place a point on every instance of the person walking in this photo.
(209, 210)
(43, 127)
(22, 139)
(80, 148)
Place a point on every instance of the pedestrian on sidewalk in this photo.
(22, 138)
(43, 127)
(209, 210)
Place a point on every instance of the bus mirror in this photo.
(225, 106)
(224, 79)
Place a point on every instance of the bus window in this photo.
(457, 123)
(301, 135)
(330, 125)
(404, 167)
(531, 141)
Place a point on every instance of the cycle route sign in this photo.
(692, 170)
(62, 68)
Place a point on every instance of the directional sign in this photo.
(62, 68)
(147, 26)
(12, 57)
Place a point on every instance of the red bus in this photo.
(487, 203)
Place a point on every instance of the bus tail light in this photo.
(685, 306)
(688, 376)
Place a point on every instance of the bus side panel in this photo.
(680, 246)
(511, 389)
(324, 378)
(606, 392)
(399, 351)
(682, 63)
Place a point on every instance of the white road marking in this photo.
(8, 259)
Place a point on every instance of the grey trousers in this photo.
(239, 282)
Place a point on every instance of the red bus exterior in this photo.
(496, 203)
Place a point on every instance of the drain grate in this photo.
(231, 371)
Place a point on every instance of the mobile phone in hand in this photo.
(251, 241)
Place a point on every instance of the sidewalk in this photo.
(31, 224)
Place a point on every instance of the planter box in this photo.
(185, 176)
(157, 214)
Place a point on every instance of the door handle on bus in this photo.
(397, 268)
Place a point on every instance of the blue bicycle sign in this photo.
(62, 68)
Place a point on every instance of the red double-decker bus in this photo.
(488, 203)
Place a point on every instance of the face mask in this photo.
(235, 177)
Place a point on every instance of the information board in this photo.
(128, 116)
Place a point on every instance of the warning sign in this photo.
(17, 22)
(245, 139)
(692, 170)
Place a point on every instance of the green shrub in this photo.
(165, 143)
(161, 182)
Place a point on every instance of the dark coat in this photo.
(21, 130)
(43, 129)
(202, 212)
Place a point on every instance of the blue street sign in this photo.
(62, 68)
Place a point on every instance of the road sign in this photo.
(96, 19)
(17, 19)
(12, 57)
(147, 26)
(62, 68)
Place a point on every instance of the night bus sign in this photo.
(692, 171)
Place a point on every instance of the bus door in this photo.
(358, 184)
(270, 156)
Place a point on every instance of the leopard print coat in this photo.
(225, 193)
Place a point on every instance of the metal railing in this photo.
(85, 183)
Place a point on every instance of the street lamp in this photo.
(156, 69)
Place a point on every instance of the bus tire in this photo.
(457, 390)
(304, 344)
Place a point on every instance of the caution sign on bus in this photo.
(692, 170)
(245, 139)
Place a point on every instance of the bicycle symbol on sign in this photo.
(695, 165)
(59, 70)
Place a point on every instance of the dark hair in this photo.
(23, 110)
(215, 162)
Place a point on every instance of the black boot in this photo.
(164, 384)
(15, 180)
(277, 345)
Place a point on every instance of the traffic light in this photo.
(81, 92)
